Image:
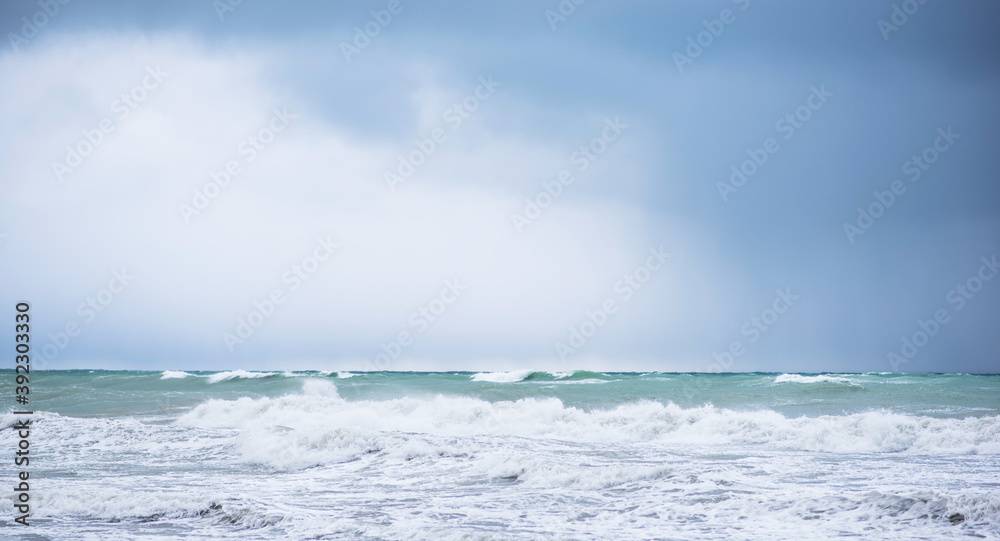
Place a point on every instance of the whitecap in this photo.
(798, 378)
(330, 429)
(503, 377)
(233, 374)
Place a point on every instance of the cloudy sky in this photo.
(690, 185)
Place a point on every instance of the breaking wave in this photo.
(515, 376)
(175, 374)
(798, 378)
(235, 374)
(318, 426)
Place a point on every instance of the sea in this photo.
(251, 455)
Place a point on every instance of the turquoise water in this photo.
(96, 393)
(510, 455)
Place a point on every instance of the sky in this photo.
(726, 185)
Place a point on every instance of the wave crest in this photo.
(798, 378)
(515, 376)
(175, 374)
(318, 426)
(234, 374)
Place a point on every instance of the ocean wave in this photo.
(515, 376)
(502, 377)
(587, 381)
(235, 374)
(175, 374)
(326, 428)
(798, 378)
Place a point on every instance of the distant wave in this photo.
(515, 376)
(503, 377)
(246, 374)
(797, 378)
(233, 374)
(175, 374)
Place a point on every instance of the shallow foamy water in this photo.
(516, 455)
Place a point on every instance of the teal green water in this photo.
(115, 393)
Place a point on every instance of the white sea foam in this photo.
(503, 377)
(234, 374)
(345, 375)
(588, 381)
(797, 378)
(549, 472)
(329, 429)
(115, 504)
(175, 374)
(515, 376)
(440, 467)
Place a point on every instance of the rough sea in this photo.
(127, 455)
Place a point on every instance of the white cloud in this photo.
(120, 208)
